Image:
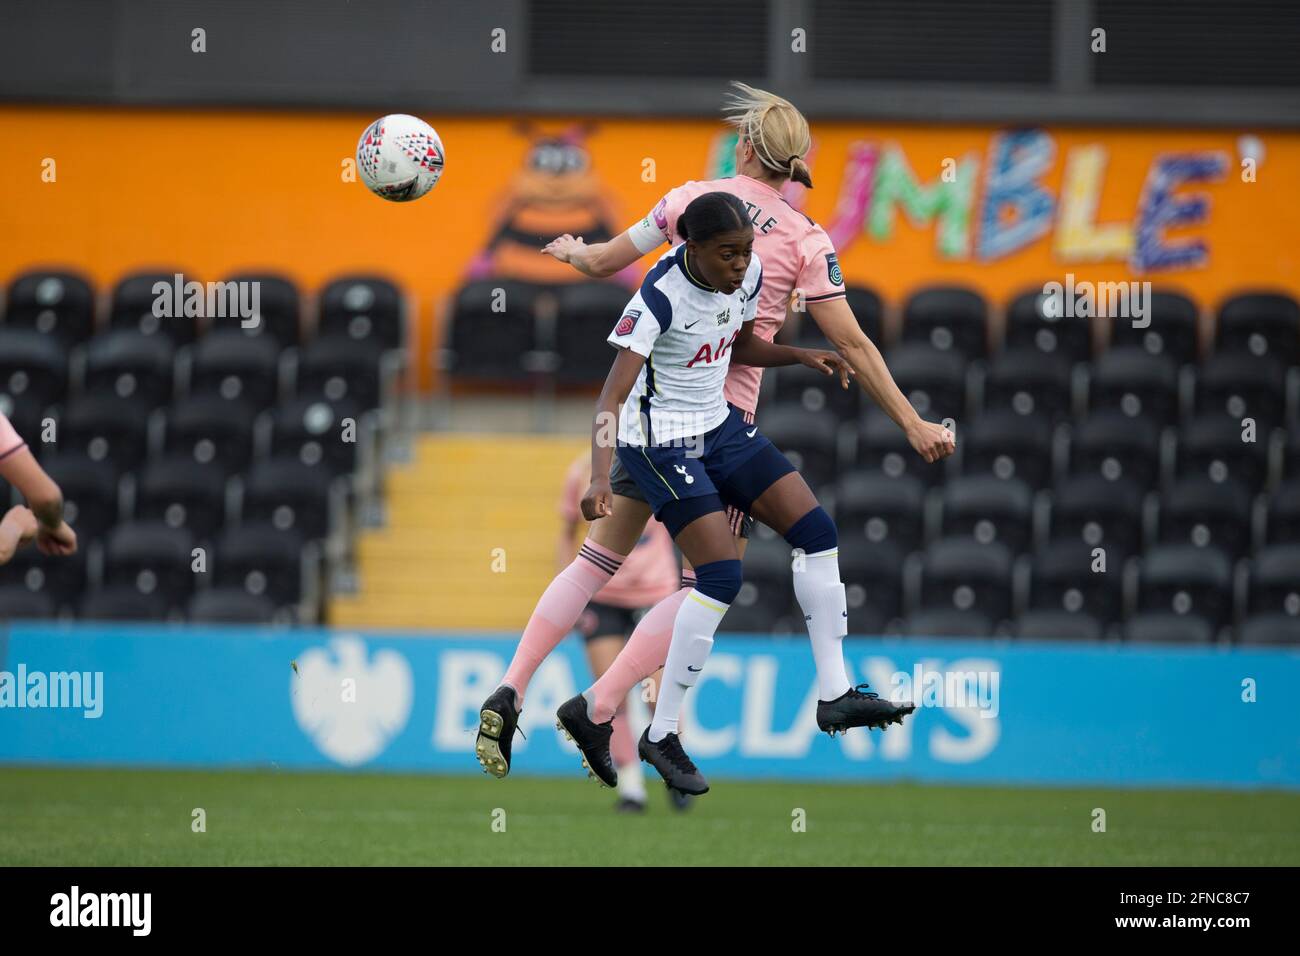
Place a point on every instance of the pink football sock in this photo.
(642, 655)
(558, 609)
(621, 746)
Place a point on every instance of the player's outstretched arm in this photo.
(599, 260)
(599, 499)
(749, 349)
(834, 317)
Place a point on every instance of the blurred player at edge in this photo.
(649, 575)
(797, 255)
(44, 521)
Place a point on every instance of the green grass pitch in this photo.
(109, 817)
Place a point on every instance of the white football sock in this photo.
(631, 782)
(693, 629)
(821, 596)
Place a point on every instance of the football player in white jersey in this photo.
(692, 454)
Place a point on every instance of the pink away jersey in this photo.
(9, 440)
(796, 254)
(650, 573)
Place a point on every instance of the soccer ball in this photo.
(399, 157)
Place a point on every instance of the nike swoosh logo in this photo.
(752, 431)
(696, 322)
(694, 670)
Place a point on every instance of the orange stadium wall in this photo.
(109, 191)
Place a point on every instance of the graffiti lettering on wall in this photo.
(986, 208)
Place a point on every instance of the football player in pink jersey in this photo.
(42, 518)
(798, 257)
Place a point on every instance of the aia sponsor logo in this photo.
(709, 354)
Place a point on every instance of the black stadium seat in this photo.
(209, 429)
(1167, 627)
(58, 305)
(1029, 383)
(1136, 383)
(154, 559)
(947, 622)
(934, 381)
(947, 318)
(1034, 322)
(312, 430)
(182, 493)
(122, 602)
(492, 329)
(1283, 515)
(1111, 445)
(808, 440)
(363, 308)
(16, 602)
(230, 606)
(232, 366)
(339, 369)
(1059, 625)
(1062, 580)
(587, 313)
(1261, 323)
(1171, 329)
(962, 574)
(883, 510)
(987, 509)
(1275, 581)
(279, 309)
(812, 391)
(1099, 513)
(61, 579)
(130, 364)
(138, 299)
(260, 560)
(105, 428)
(33, 368)
(1206, 514)
(1212, 446)
(288, 495)
(1007, 445)
(882, 446)
(1270, 629)
(1243, 385)
(1186, 581)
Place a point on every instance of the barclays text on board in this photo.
(988, 712)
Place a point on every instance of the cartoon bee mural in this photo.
(555, 192)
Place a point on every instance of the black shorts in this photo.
(622, 483)
(602, 620)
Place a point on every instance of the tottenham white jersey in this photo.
(685, 330)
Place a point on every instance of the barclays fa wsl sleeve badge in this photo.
(628, 322)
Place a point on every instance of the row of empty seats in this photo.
(501, 330)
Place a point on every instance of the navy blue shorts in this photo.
(683, 470)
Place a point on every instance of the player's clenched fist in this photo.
(598, 501)
(932, 442)
(563, 247)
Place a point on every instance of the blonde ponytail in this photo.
(777, 130)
